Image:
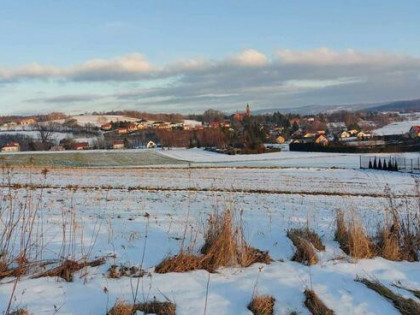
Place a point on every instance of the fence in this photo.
(391, 163)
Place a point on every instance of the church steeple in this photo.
(248, 111)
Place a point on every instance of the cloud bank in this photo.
(284, 79)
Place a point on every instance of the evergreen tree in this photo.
(370, 164)
(375, 166)
(385, 166)
(380, 164)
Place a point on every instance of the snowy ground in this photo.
(108, 206)
(399, 128)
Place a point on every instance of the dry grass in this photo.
(397, 242)
(68, 267)
(20, 311)
(305, 242)
(352, 237)
(155, 307)
(315, 304)
(403, 305)
(262, 305)
(311, 236)
(122, 308)
(158, 308)
(179, 263)
(224, 246)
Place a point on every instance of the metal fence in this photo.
(391, 163)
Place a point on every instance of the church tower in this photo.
(248, 111)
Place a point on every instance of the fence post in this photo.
(360, 161)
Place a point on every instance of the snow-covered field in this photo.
(399, 128)
(108, 206)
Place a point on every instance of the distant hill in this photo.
(399, 106)
(405, 106)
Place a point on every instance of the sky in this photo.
(187, 56)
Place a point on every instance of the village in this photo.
(241, 132)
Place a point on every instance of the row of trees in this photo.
(386, 166)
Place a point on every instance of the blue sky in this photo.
(187, 56)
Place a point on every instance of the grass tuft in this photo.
(305, 242)
(403, 305)
(352, 237)
(262, 305)
(224, 246)
(155, 307)
(315, 304)
(68, 267)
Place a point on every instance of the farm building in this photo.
(11, 147)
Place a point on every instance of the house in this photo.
(151, 145)
(118, 144)
(322, 140)
(80, 146)
(294, 121)
(344, 134)
(309, 135)
(11, 147)
(27, 122)
(214, 124)
(10, 124)
(280, 140)
(132, 128)
(198, 128)
(363, 135)
(106, 127)
(353, 132)
(415, 131)
(122, 131)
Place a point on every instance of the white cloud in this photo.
(326, 57)
(290, 78)
(250, 57)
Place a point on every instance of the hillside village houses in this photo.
(27, 122)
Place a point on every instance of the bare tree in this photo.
(45, 133)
